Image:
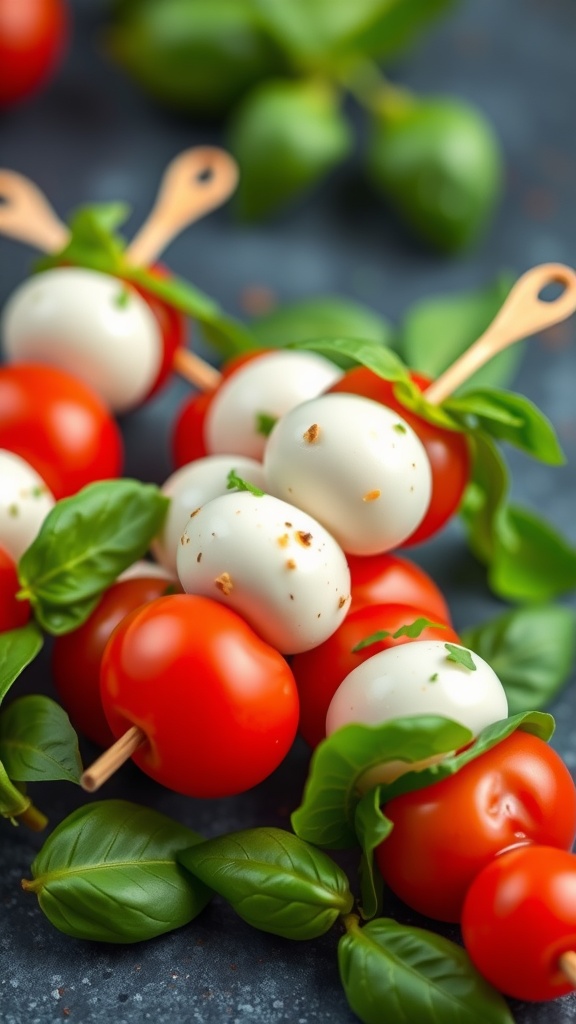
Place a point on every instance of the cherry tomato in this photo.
(519, 918)
(320, 671)
(518, 792)
(388, 579)
(33, 37)
(219, 706)
(172, 325)
(59, 426)
(77, 656)
(447, 450)
(13, 613)
(188, 434)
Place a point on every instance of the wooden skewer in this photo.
(567, 963)
(196, 370)
(26, 214)
(112, 759)
(524, 313)
(194, 183)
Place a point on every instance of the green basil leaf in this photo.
(509, 417)
(531, 650)
(381, 360)
(84, 543)
(109, 873)
(396, 26)
(437, 330)
(484, 499)
(13, 802)
(18, 647)
(398, 973)
(275, 881)
(93, 242)
(311, 30)
(37, 742)
(325, 317)
(342, 769)
(372, 828)
(286, 135)
(532, 561)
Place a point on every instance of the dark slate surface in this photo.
(90, 136)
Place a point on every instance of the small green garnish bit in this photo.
(410, 629)
(400, 428)
(13, 511)
(122, 299)
(434, 678)
(236, 483)
(265, 423)
(38, 491)
(460, 655)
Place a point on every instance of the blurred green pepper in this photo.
(438, 162)
(195, 55)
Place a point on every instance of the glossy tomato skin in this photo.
(188, 441)
(13, 613)
(59, 425)
(320, 671)
(33, 37)
(77, 656)
(388, 579)
(518, 792)
(447, 450)
(219, 706)
(519, 917)
(173, 328)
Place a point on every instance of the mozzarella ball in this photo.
(25, 501)
(272, 563)
(267, 386)
(93, 325)
(145, 569)
(356, 466)
(418, 678)
(193, 485)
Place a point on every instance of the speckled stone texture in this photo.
(92, 137)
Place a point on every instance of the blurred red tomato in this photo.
(33, 37)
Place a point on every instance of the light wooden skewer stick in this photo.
(26, 214)
(567, 964)
(112, 759)
(523, 313)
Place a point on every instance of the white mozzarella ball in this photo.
(193, 485)
(25, 501)
(270, 562)
(419, 678)
(267, 386)
(92, 325)
(355, 465)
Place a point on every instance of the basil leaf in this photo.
(327, 317)
(532, 561)
(275, 881)
(93, 242)
(398, 22)
(286, 135)
(18, 647)
(437, 330)
(311, 29)
(13, 803)
(484, 500)
(531, 650)
(37, 742)
(509, 417)
(109, 873)
(372, 828)
(342, 766)
(84, 543)
(381, 360)
(398, 973)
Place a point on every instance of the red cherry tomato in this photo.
(172, 325)
(188, 433)
(13, 613)
(447, 450)
(387, 579)
(59, 426)
(320, 671)
(77, 656)
(519, 917)
(518, 792)
(33, 37)
(219, 706)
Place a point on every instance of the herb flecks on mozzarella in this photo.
(25, 501)
(272, 563)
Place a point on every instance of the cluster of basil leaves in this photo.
(282, 73)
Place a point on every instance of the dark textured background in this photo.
(91, 137)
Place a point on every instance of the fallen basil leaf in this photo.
(273, 880)
(509, 417)
(381, 360)
(340, 767)
(532, 561)
(531, 650)
(287, 134)
(109, 873)
(437, 330)
(84, 543)
(402, 974)
(18, 647)
(37, 742)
